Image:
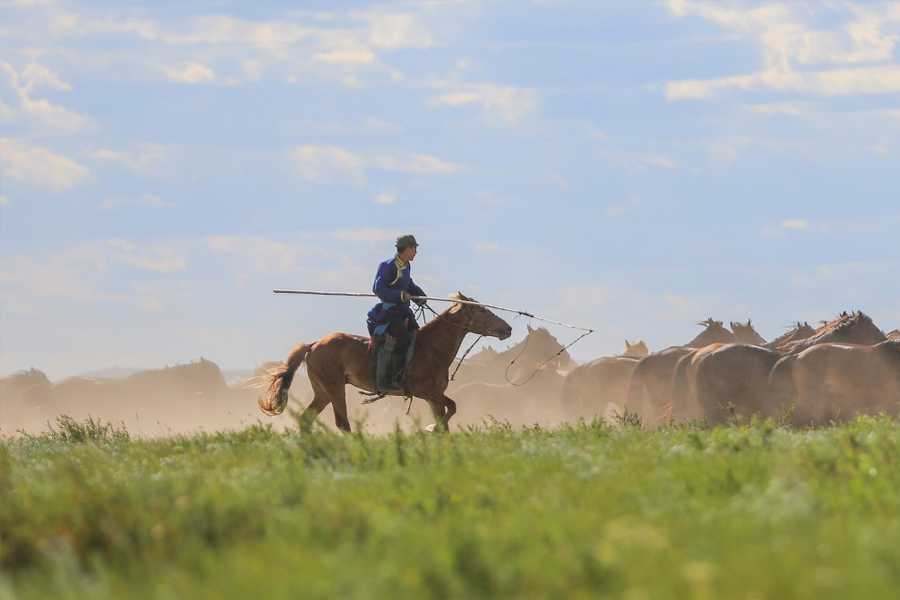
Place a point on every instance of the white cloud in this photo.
(834, 82)
(22, 104)
(418, 164)
(638, 161)
(844, 226)
(325, 164)
(258, 254)
(385, 198)
(799, 57)
(398, 30)
(502, 104)
(147, 200)
(486, 247)
(81, 271)
(157, 258)
(618, 209)
(793, 109)
(322, 164)
(142, 158)
(39, 167)
(795, 224)
(299, 45)
(346, 57)
(190, 73)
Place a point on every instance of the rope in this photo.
(465, 354)
(543, 364)
(421, 314)
(520, 313)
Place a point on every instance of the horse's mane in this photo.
(442, 316)
(712, 328)
(790, 333)
(842, 328)
(24, 378)
(746, 331)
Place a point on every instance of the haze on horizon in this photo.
(633, 167)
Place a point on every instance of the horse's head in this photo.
(746, 334)
(638, 349)
(479, 319)
(713, 333)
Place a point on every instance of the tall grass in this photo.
(754, 511)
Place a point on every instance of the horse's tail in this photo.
(681, 390)
(781, 384)
(634, 401)
(569, 397)
(280, 378)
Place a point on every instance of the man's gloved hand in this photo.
(404, 296)
(421, 302)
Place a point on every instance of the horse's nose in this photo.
(507, 332)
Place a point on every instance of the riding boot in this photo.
(383, 360)
(407, 358)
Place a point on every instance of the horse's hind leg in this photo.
(339, 406)
(321, 399)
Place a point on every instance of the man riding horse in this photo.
(392, 323)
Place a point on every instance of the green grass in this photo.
(740, 512)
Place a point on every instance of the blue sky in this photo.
(633, 167)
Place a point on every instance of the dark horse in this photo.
(340, 358)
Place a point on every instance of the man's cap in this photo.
(406, 241)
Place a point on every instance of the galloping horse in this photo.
(340, 358)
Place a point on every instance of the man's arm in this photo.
(386, 273)
(415, 290)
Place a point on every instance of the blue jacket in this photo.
(390, 280)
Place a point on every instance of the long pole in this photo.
(435, 299)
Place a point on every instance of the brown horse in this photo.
(836, 382)
(340, 358)
(790, 389)
(847, 328)
(650, 388)
(746, 334)
(800, 331)
(685, 404)
(515, 364)
(733, 380)
(589, 389)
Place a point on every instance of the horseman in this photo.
(392, 323)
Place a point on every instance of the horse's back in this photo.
(339, 352)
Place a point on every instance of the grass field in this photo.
(741, 512)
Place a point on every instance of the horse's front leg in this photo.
(443, 408)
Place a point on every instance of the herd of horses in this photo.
(807, 376)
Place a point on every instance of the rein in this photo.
(537, 369)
